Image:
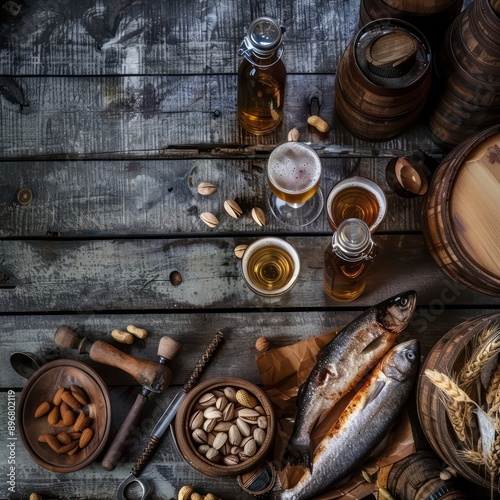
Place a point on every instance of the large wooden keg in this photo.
(431, 17)
(416, 477)
(468, 69)
(383, 79)
(447, 356)
(461, 213)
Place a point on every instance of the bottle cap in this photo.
(352, 237)
(264, 36)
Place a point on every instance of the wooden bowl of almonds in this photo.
(225, 427)
(64, 416)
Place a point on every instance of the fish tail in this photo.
(297, 454)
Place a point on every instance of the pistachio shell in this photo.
(209, 424)
(196, 420)
(220, 440)
(240, 250)
(259, 435)
(233, 209)
(222, 426)
(230, 393)
(258, 216)
(206, 188)
(228, 412)
(293, 135)
(262, 422)
(200, 436)
(243, 427)
(208, 399)
(231, 460)
(209, 219)
(221, 403)
(250, 448)
(212, 453)
(235, 435)
(212, 413)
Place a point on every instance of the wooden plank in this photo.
(154, 37)
(168, 472)
(138, 116)
(35, 333)
(134, 274)
(160, 197)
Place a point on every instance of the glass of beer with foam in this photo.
(293, 174)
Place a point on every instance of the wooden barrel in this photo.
(431, 17)
(383, 79)
(463, 234)
(416, 477)
(468, 69)
(448, 356)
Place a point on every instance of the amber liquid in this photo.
(261, 93)
(344, 281)
(270, 268)
(354, 202)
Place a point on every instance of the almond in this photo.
(63, 438)
(85, 437)
(68, 398)
(52, 442)
(42, 410)
(68, 417)
(54, 416)
(85, 423)
(42, 438)
(74, 435)
(71, 446)
(57, 399)
(79, 394)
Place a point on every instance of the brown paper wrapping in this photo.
(283, 370)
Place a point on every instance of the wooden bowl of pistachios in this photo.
(225, 427)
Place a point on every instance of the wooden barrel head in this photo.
(475, 206)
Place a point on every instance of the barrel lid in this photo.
(392, 53)
(475, 206)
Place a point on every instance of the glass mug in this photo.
(270, 266)
(293, 174)
(356, 198)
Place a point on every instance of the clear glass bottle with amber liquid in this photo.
(347, 260)
(261, 77)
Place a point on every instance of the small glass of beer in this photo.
(293, 173)
(270, 266)
(356, 198)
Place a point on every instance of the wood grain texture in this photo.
(135, 274)
(155, 37)
(155, 197)
(141, 116)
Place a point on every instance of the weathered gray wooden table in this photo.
(112, 113)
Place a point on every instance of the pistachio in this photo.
(240, 250)
(221, 403)
(212, 453)
(222, 426)
(209, 219)
(196, 421)
(212, 413)
(200, 436)
(235, 450)
(226, 449)
(262, 422)
(235, 435)
(207, 400)
(259, 435)
(220, 440)
(243, 456)
(243, 427)
(228, 412)
(231, 460)
(203, 448)
(209, 424)
(210, 438)
(230, 393)
(260, 410)
(293, 135)
(206, 188)
(258, 216)
(248, 415)
(250, 448)
(233, 209)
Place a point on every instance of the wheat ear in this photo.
(493, 394)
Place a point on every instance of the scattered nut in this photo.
(42, 410)
(206, 188)
(209, 219)
(184, 493)
(293, 135)
(123, 337)
(246, 399)
(240, 250)
(262, 344)
(140, 333)
(318, 123)
(258, 216)
(233, 209)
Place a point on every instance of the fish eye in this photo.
(410, 355)
(404, 301)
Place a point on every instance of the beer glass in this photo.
(293, 173)
(356, 198)
(270, 266)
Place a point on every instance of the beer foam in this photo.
(294, 167)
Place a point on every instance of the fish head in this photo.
(395, 313)
(402, 361)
